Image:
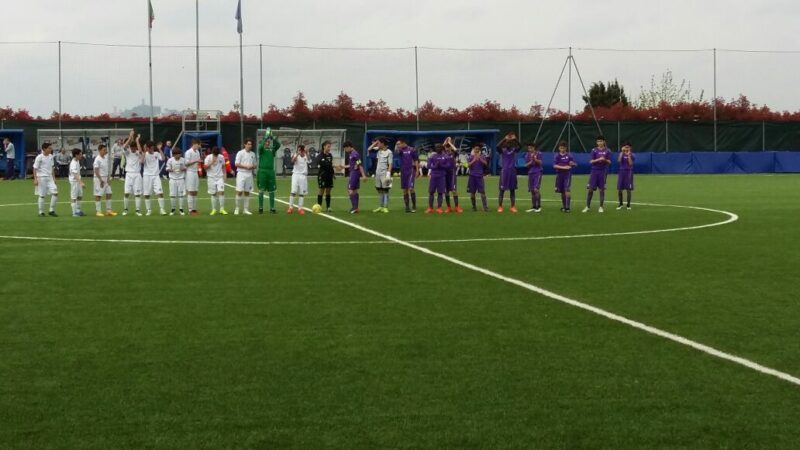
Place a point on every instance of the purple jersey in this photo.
(408, 156)
(601, 153)
(563, 160)
(534, 168)
(508, 159)
(624, 164)
(476, 166)
(353, 161)
(437, 165)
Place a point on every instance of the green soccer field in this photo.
(406, 330)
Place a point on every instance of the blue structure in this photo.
(423, 141)
(17, 138)
(207, 139)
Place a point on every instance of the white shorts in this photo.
(192, 182)
(244, 182)
(46, 186)
(215, 185)
(101, 191)
(299, 184)
(75, 190)
(133, 183)
(152, 185)
(382, 181)
(177, 188)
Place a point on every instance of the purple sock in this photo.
(569, 201)
(430, 201)
(602, 197)
(439, 201)
(620, 197)
(500, 198)
(564, 200)
(356, 197)
(353, 201)
(513, 196)
(405, 200)
(455, 200)
(414, 200)
(483, 200)
(589, 199)
(472, 199)
(447, 199)
(537, 196)
(629, 199)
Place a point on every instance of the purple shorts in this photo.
(354, 182)
(475, 184)
(407, 179)
(450, 181)
(508, 181)
(597, 180)
(625, 180)
(534, 181)
(563, 181)
(437, 185)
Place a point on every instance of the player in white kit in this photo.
(299, 180)
(215, 177)
(132, 151)
(76, 185)
(246, 163)
(102, 188)
(193, 160)
(176, 167)
(150, 177)
(44, 179)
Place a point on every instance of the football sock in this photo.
(472, 200)
(108, 204)
(629, 198)
(260, 200)
(564, 200)
(483, 200)
(160, 202)
(53, 200)
(500, 198)
(619, 194)
(414, 200)
(125, 202)
(455, 200)
(221, 201)
(602, 197)
(299, 202)
(439, 200)
(146, 204)
(513, 196)
(319, 199)
(406, 200)
(327, 201)
(97, 206)
(271, 200)
(138, 202)
(589, 196)
(41, 205)
(430, 201)
(447, 199)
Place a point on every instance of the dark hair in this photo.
(437, 147)
(76, 152)
(45, 146)
(326, 143)
(347, 144)
(215, 150)
(401, 139)
(149, 144)
(195, 141)
(600, 138)
(532, 144)
(562, 144)
(626, 144)
(100, 147)
(477, 144)
(176, 150)
(301, 147)
(382, 140)
(248, 141)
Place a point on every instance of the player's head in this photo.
(348, 146)
(77, 153)
(601, 141)
(102, 149)
(562, 147)
(301, 149)
(160, 145)
(215, 150)
(248, 144)
(169, 144)
(401, 143)
(176, 153)
(381, 142)
(326, 147)
(6, 141)
(149, 146)
(438, 148)
(195, 144)
(626, 147)
(47, 148)
(531, 146)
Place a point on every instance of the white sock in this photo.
(138, 201)
(291, 200)
(221, 200)
(125, 202)
(160, 202)
(97, 206)
(300, 202)
(213, 202)
(238, 200)
(180, 202)
(172, 201)
(74, 207)
(41, 205)
(247, 203)
(53, 200)
(147, 203)
(108, 204)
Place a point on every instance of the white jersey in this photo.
(300, 165)
(191, 156)
(132, 162)
(43, 165)
(151, 161)
(216, 170)
(75, 171)
(101, 166)
(383, 161)
(176, 168)
(246, 158)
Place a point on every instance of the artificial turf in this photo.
(219, 344)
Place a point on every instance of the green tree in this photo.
(606, 95)
(668, 91)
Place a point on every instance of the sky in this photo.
(97, 79)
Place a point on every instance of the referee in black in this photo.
(325, 175)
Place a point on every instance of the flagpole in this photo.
(197, 51)
(241, 91)
(261, 85)
(150, 62)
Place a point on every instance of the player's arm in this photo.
(36, 165)
(530, 162)
(129, 140)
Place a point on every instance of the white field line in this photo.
(586, 307)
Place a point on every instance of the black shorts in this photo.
(325, 180)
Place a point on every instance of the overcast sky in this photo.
(97, 79)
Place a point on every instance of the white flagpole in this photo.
(150, 63)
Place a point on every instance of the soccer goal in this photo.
(291, 138)
(88, 140)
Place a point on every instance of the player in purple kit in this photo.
(600, 160)
(533, 161)
(356, 174)
(451, 180)
(625, 175)
(438, 165)
(409, 171)
(563, 163)
(477, 168)
(509, 146)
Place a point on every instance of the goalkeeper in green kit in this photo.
(266, 170)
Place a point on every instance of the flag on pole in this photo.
(152, 16)
(239, 17)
